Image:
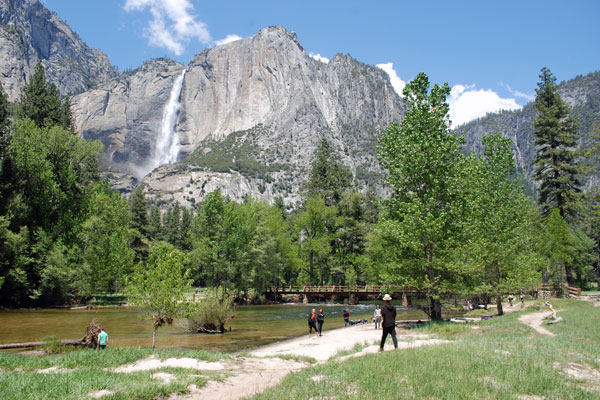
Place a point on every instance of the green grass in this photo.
(89, 370)
(504, 359)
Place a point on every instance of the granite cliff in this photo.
(29, 33)
(251, 114)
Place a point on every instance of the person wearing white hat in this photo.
(388, 312)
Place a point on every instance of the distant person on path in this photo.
(377, 317)
(522, 298)
(320, 320)
(511, 298)
(102, 339)
(312, 322)
(389, 321)
(346, 315)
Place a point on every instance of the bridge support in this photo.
(352, 299)
(305, 299)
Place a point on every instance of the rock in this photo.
(30, 32)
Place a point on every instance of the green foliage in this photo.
(556, 166)
(558, 248)
(211, 313)
(312, 226)
(235, 153)
(328, 179)
(106, 254)
(501, 252)
(421, 226)
(41, 102)
(159, 286)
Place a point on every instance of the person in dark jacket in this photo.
(388, 313)
(312, 322)
(320, 320)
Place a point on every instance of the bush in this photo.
(210, 314)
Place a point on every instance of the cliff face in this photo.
(126, 113)
(30, 32)
(252, 112)
(582, 94)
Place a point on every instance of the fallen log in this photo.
(71, 342)
(555, 319)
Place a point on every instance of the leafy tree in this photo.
(159, 286)
(315, 239)
(422, 218)
(558, 247)
(41, 102)
(555, 161)
(502, 225)
(104, 237)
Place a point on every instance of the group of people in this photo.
(383, 317)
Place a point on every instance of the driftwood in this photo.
(555, 318)
(72, 342)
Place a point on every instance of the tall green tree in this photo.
(559, 248)
(41, 102)
(555, 161)
(328, 178)
(423, 218)
(315, 240)
(159, 286)
(501, 246)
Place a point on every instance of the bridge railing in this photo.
(374, 289)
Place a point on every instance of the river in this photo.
(252, 326)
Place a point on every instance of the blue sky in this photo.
(491, 52)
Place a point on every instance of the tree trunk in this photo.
(499, 304)
(435, 309)
(154, 336)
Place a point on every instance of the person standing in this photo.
(102, 339)
(312, 322)
(320, 320)
(346, 315)
(522, 297)
(377, 317)
(388, 313)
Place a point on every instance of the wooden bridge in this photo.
(340, 289)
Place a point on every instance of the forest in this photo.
(455, 222)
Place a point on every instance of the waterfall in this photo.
(167, 143)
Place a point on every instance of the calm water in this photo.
(252, 326)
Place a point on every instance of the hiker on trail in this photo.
(389, 321)
(346, 315)
(320, 320)
(522, 298)
(102, 339)
(377, 317)
(511, 298)
(312, 322)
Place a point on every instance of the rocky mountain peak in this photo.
(30, 32)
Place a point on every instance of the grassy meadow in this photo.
(503, 359)
(500, 359)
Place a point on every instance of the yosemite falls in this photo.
(167, 142)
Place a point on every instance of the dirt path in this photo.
(535, 321)
(266, 366)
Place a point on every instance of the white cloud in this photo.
(173, 25)
(397, 83)
(319, 57)
(227, 39)
(467, 103)
(516, 93)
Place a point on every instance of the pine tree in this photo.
(328, 178)
(555, 162)
(138, 208)
(41, 102)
